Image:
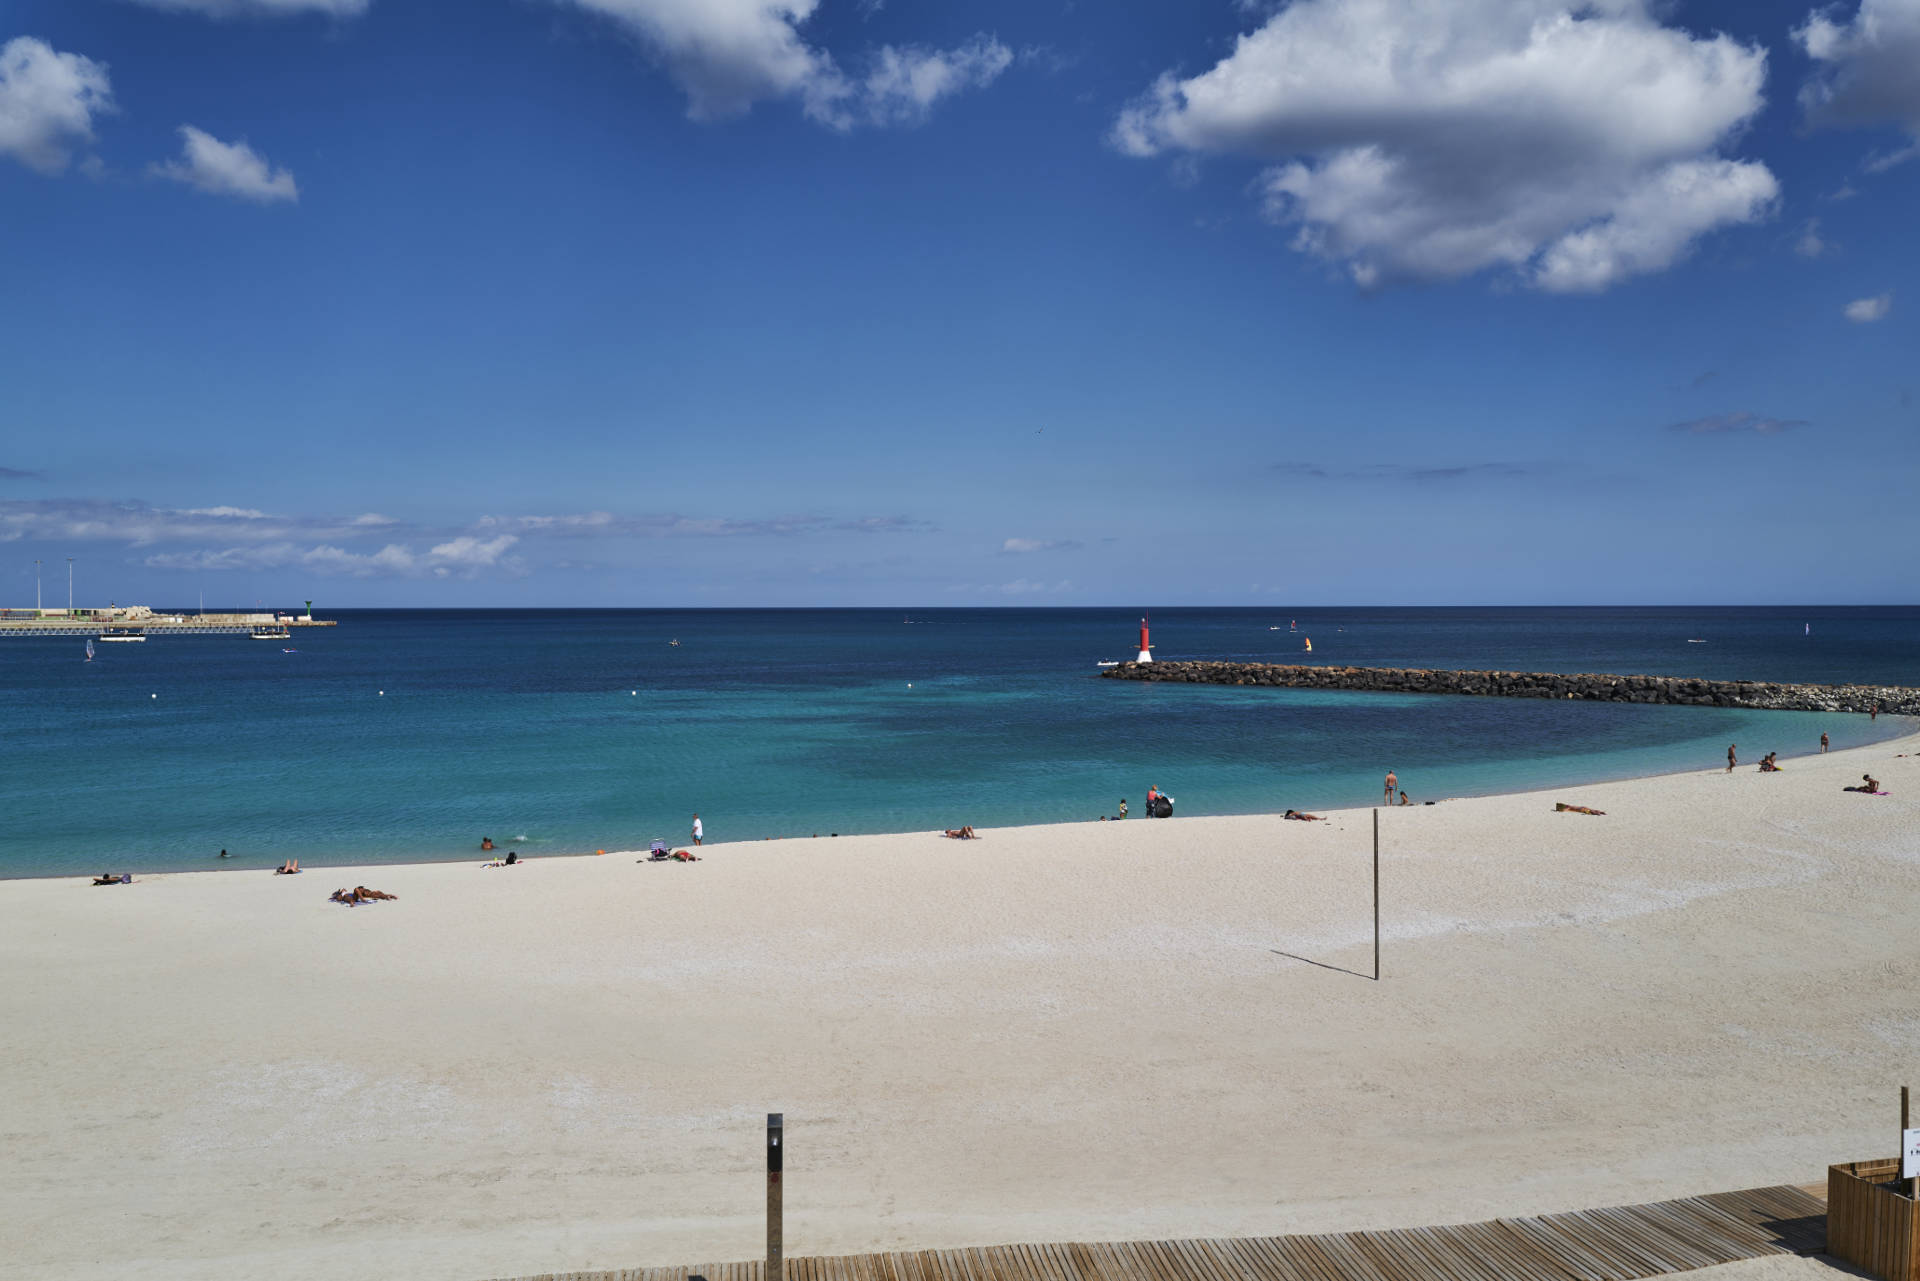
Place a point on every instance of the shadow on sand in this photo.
(1323, 965)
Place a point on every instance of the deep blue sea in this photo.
(408, 735)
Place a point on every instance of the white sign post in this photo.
(1910, 1154)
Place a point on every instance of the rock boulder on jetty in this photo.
(1584, 685)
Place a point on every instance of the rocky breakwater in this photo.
(1584, 685)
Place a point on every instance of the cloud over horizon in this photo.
(1409, 472)
(140, 524)
(227, 537)
(1737, 421)
(464, 557)
(1571, 144)
(601, 524)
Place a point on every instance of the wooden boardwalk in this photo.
(1621, 1243)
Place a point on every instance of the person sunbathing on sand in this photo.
(1868, 784)
(1561, 807)
(357, 895)
(961, 833)
(1305, 818)
(686, 856)
(109, 878)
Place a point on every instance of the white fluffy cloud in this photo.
(1575, 144)
(261, 8)
(47, 102)
(227, 169)
(1869, 67)
(468, 552)
(1864, 311)
(729, 54)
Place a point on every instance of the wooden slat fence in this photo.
(1874, 1224)
(1619, 1243)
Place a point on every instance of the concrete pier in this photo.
(140, 619)
(1892, 699)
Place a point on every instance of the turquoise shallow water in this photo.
(559, 731)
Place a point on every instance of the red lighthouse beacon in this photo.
(1146, 649)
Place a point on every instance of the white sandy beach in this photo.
(1070, 1032)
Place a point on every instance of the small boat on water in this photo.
(1692, 641)
(674, 641)
(122, 636)
(1107, 662)
(271, 633)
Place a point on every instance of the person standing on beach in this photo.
(1393, 785)
(1731, 758)
(1123, 807)
(697, 831)
(1823, 741)
(1874, 715)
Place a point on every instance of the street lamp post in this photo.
(36, 589)
(69, 585)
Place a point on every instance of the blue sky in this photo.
(818, 302)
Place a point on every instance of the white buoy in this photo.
(383, 693)
(153, 696)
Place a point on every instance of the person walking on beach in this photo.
(1731, 758)
(697, 831)
(1393, 785)
(1823, 741)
